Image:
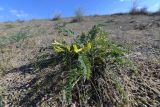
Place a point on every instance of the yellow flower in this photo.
(76, 50)
(58, 49)
(68, 48)
(89, 45)
(56, 43)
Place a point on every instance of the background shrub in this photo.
(79, 13)
(57, 16)
(136, 11)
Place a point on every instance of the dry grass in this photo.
(6, 55)
(142, 89)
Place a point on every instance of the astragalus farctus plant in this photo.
(90, 61)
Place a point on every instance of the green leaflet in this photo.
(72, 79)
(85, 65)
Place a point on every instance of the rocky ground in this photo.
(21, 43)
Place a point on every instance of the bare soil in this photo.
(139, 34)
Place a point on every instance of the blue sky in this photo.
(11, 10)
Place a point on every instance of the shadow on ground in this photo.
(43, 86)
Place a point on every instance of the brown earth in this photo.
(139, 34)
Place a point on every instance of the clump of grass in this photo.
(3, 40)
(20, 36)
(64, 32)
(5, 56)
(9, 26)
(2, 68)
(79, 15)
(17, 37)
(89, 60)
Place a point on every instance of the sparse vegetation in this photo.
(3, 67)
(4, 60)
(20, 36)
(81, 67)
(8, 26)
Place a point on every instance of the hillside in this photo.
(23, 44)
